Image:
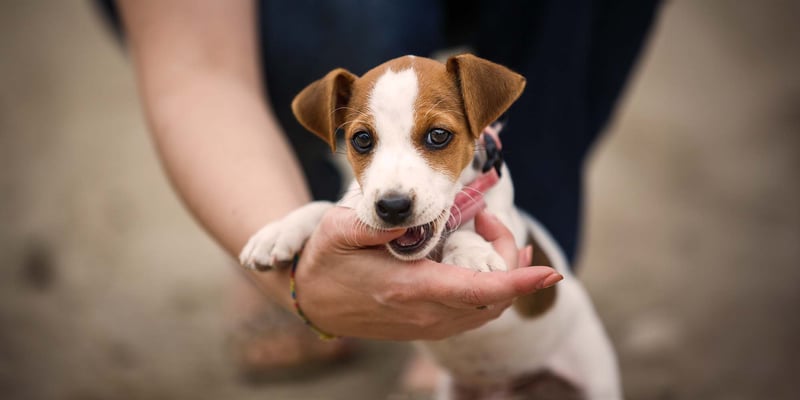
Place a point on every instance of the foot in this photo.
(276, 344)
(467, 249)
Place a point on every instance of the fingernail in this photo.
(529, 254)
(551, 280)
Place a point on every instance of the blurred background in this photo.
(108, 290)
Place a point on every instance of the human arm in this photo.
(220, 144)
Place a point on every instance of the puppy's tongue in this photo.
(411, 237)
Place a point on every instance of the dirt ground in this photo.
(108, 290)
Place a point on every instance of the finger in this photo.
(345, 227)
(490, 228)
(462, 288)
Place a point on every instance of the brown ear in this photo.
(488, 89)
(320, 106)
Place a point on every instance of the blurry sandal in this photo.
(274, 344)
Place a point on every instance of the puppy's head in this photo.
(410, 127)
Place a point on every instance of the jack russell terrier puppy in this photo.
(413, 128)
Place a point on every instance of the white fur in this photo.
(568, 339)
(280, 241)
(467, 248)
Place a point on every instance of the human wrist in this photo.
(274, 285)
(322, 334)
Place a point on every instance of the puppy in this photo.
(411, 126)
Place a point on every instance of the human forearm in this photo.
(199, 80)
(225, 156)
(200, 85)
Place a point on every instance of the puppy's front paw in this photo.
(271, 245)
(468, 250)
(281, 240)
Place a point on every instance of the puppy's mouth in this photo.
(415, 238)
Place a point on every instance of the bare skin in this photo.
(226, 156)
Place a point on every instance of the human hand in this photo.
(348, 285)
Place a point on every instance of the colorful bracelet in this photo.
(293, 287)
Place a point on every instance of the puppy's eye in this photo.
(362, 141)
(438, 138)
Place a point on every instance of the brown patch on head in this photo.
(439, 106)
(537, 303)
(461, 97)
(358, 119)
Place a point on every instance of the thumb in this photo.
(345, 227)
(493, 230)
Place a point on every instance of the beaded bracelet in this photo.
(293, 287)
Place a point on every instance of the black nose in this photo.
(393, 208)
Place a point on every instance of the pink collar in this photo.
(469, 201)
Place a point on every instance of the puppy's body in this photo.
(411, 126)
